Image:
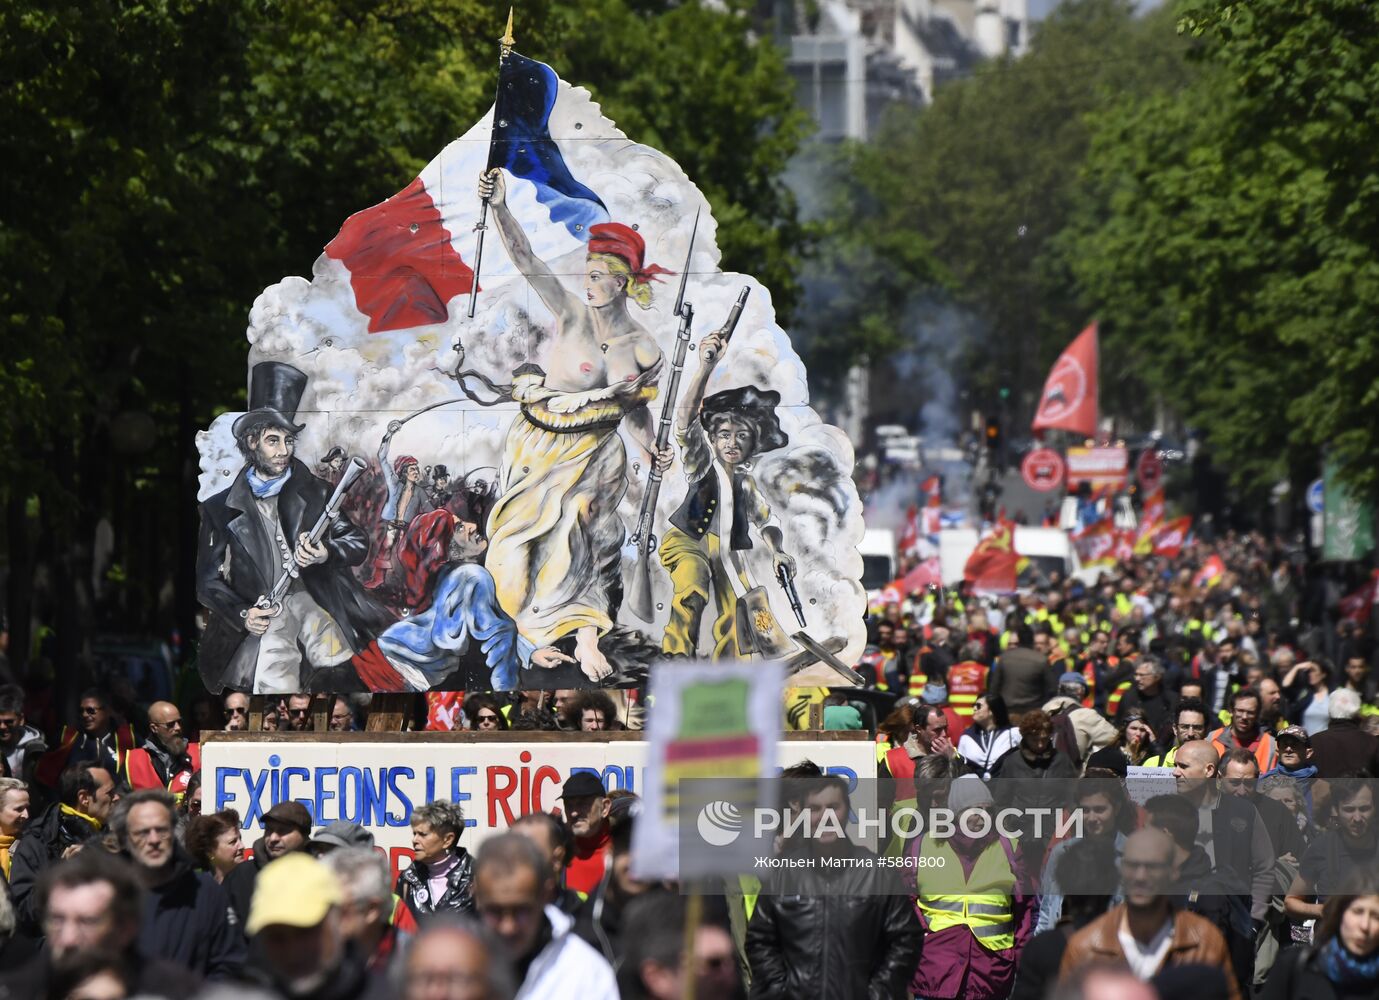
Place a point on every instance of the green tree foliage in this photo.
(968, 194)
(1235, 250)
(166, 160)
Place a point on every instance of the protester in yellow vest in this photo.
(1190, 724)
(968, 895)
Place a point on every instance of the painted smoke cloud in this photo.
(359, 381)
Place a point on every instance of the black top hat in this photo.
(275, 390)
(756, 405)
(439, 472)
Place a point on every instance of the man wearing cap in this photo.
(255, 531)
(1295, 761)
(586, 809)
(286, 828)
(340, 835)
(1077, 731)
(295, 924)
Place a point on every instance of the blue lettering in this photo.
(222, 796)
(288, 774)
(430, 784)
(374, 802)
(456, 773)
(391, 777)
(253, 808)
(322, 795)
(351, 799)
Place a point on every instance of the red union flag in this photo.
(1069, 400)
(1170, 537)
(994, 564)
(1098, 544)
(1356, 606)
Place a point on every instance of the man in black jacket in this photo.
(255, 531)
(848, 938)
(93, 902)
(1149, 695)
(286, 828)
(85, 795)
(187, 916)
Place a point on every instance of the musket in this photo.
(787, 584)
(272, 601)
(644, 539)
(505, 48)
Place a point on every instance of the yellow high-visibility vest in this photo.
(985, 906)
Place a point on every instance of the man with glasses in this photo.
(20, 745)
(342, 715)
(166, 759)
(299, 713)
(94, 903)
(99, 741)
(1191, 725)
(236, 709)
(512, 883)
(85, 796)
(1152, 698)
(187, 917)
(1246, 732)
(1148, 933)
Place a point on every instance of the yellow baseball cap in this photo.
(296, 891)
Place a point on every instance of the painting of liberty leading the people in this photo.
(379, 568)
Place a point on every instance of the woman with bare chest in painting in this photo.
(554, 534)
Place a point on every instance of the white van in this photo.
(878, 558)
(1047, 549)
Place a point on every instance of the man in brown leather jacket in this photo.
(1147, 932)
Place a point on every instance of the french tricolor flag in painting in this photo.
(401, 255)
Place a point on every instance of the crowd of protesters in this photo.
(1255, 875)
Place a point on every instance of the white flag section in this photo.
(709, 722)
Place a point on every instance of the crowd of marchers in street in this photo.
(1255, 875)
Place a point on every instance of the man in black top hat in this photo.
(257, 530)
(702, 549)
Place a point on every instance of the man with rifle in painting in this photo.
(710, 534)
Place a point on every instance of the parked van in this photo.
(878, 558)
(1047, 549)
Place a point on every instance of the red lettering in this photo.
(395, 855)
(499, 797)
(544, 775)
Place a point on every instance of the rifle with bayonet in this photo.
(644, 539)
(273, 600)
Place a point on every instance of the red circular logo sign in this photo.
(1150, 470)
(1042, 470)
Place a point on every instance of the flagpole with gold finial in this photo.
(505, 46)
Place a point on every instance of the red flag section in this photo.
(1069, 400)
(1210, 574)
(1170, 537)
(1097, 544)
(1356, 606)
(403, 268)
(994, 564)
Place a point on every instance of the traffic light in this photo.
(993, 433)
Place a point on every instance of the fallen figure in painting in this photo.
(458, 637)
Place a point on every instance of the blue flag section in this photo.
(522, 145)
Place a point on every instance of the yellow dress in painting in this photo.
(554, 535)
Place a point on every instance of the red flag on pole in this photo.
(1069, 400)
(994, 564)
